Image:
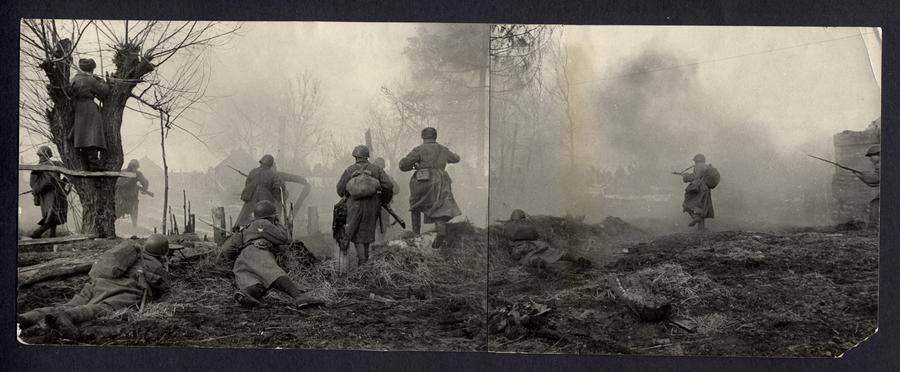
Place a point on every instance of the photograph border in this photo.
(876, 353)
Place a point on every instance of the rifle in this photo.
(836, 164)
(682, 172)
(397, 219)
(145, 192)
(236, 170)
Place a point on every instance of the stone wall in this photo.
(850, 197)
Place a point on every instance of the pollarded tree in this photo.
(136, 50)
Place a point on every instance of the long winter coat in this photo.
(697, 195)
(128, 289)
(263, 183)
(88, 130)
(253, 252)
(49, 193)
(434, 197)
(362, 213)
(525, 248)
(127, 190)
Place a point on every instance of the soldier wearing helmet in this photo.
(528, 249)
(363, 210)
(697, 195)
(873, 179)
(49, 190)
(143, 276)
(430, 192)
(127, 190)
(263, 183)
(253, 251)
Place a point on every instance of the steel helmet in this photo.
(45, 151)
(361, 151)
(874, 150)
(156, 245)
(133, 164)
(267, 160)
(264, 209)
(700, 158)
(516, 215)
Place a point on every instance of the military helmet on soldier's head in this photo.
(517, 214)
(157, 245)
(267, 160)
(45, 151)
(87, 64)
(361, 151)
(264, 209)
(134, 164)
(700, 158)
(874, 150)
(429, 133)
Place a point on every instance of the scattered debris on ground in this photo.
(809, 292)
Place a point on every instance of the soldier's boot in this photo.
(39, 232)
(284, 284)
(63, 322)
(53, 231)
(701, 226)
(441, 239)
(695, 220)
(362, 253)
(251, 297)
(29, 319)
(416, 218)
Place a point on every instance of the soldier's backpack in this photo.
(362, 183)
(712, 177)
(115, 262)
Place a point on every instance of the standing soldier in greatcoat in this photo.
(49, 190)
(88, 133)
(430, 190)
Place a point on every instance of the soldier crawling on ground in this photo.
(124, 276)
(253, 251)
(528, 249)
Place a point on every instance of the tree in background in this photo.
(136, 50)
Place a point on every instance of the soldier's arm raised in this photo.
(410, 160)
(452, 157)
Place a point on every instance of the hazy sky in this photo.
(800, 83)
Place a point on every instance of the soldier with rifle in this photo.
(872, 179)
(253, 251)
(365, 189)
(127, 190)
(698, 193)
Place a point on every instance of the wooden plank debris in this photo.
(56, 268)
(49, 241)
(75, 173)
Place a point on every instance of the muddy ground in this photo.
(790, 293)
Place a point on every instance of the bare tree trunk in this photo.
(162, 145)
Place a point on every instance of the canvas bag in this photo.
(115, 262)
(712, 177)
(362, 184)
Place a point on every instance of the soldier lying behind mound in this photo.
(253, 251)
(123, 276)
(527, 248)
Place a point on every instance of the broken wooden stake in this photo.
(312, 220)
(218, 224)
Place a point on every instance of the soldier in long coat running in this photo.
(49, 190)
(88, 133)
(430, 185)
(697, 195)
(363, 213)
(127, 190)
(253, 251)
(146, 279)
(263, 183)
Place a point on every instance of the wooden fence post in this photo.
(312, 220)
(218, 220)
